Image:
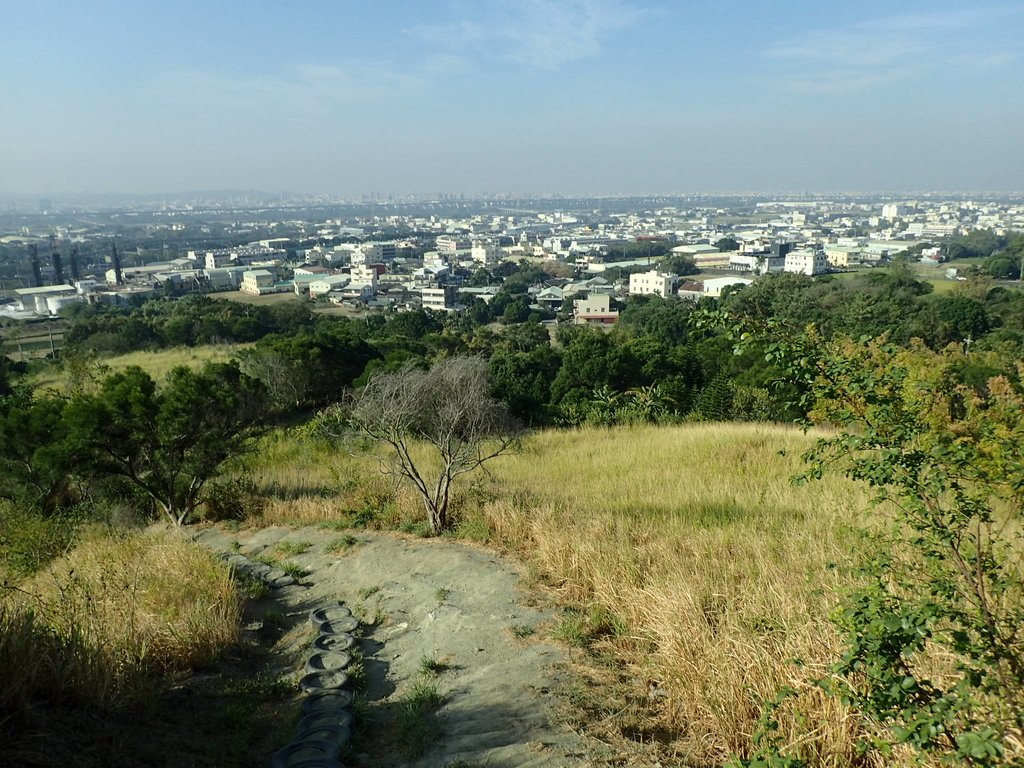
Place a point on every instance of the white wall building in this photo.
(257, 282)
(652, 283)
(450, 243)
(843, 256)
(807, 262)
(595, 309)
(327, 283)
(714, 286)
(363, 274)
(484, 253)
(441, 299)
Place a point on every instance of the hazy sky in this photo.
(490, 96)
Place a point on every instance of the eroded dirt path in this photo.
(440, 604)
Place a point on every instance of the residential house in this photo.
(595, 309)
(653, 283)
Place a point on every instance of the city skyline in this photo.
(575, 97)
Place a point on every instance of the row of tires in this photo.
(325, 726)
(274, 578)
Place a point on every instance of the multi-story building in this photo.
(595, 309)
(440, 298)
(652, 283)
(806, 262)
(484, 252)
(449, 243)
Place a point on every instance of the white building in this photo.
(843, 256)
(46, 299)
(363, 274)
(258, 282)
(325, 284)
(440, 298)
(374, 253)
(806, 262)
(595, 309)
(450, 243)
(714, 286)
(484, 253)
(759, 263)
(225, 278)
(652, 283)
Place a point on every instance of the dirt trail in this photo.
(442, 601)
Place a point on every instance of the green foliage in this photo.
(581, 628)
(37, 456)
(679, 264)
(980, 243)
(341, 544)
(417, 724)
(432, 667)
(1002, 267)
(30, 539)
(168, 442)
(934, 635)
(716, 400)
(235, 498)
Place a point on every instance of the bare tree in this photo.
(448, 407)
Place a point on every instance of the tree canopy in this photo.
(167, 441)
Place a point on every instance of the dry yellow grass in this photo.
(711, 569)
(113, 614)
(714, 562)
(156, 363)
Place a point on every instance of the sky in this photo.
(356, 97)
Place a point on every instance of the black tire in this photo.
(299, 752)
(315, 682)
(334, 643)
(335, 734)
(338, 626)
(325, 718)
(326, 701)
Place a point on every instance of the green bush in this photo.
(231, 499)
(29, 539)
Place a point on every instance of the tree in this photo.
(679, 264)
(933, 634)
(448, 407)
(36, 460)
(727, 244)
(1002, 267)
(167, 441)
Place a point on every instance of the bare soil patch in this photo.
(457, 670)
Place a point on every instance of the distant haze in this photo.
(485, 96)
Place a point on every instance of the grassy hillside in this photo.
(692, 557)
(687, 554)
(156, 363)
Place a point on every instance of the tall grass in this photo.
(97, 626)
(311, 482)
(712, 570)
(686, 553)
